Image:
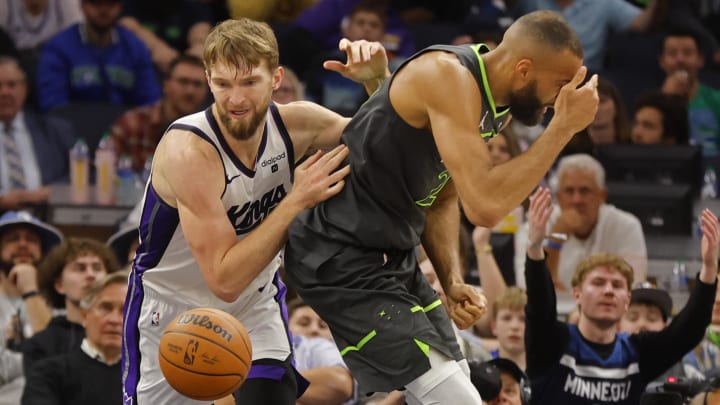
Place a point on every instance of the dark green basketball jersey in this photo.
(396, 170)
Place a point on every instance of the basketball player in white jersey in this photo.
(216, 210)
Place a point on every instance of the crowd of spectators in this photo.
(144, 58)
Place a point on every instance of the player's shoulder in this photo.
(436, 66)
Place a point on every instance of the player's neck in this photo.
(499, 76)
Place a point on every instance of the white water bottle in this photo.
(105, 169)
(79, 168)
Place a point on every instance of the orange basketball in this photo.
(205, 354)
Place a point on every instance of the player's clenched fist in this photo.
(465, 304)
(575, 107)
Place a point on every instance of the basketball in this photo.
(205, 354)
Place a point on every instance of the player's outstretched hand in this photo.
(365, 61)
(575, 107)
(466, 304)
(318, 177)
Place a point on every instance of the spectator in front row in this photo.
(65, 276)
(91, 373)
(24, 240)
(34, 146)
(318, 359)
(96, 61)
(592, 363)
(508, 325)
(660, 119)
(515, 384)
(591, 225)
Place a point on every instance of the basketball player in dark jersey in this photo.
(416, 146)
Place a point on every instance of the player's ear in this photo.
(278, 75)
(524, 69)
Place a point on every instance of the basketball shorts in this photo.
(383, 314)
(147, 314)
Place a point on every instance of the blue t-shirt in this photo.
(73, 70)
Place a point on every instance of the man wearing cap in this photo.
(23, 241)
(500, 382)
(649, 310)
(515, 384)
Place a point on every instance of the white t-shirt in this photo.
(617, 232)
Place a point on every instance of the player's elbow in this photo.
(225, 294)
(223, 290)
(486, 216)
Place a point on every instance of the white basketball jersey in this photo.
(164, 258)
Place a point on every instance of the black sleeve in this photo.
(43, 381)
(658, 351)
(32, 351)
(545, 336)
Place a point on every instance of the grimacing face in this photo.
(546, 75)
(242, 98)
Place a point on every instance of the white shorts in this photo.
(261, 312)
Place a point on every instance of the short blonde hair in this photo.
(513, 298)
(242, 43)
(602, 259)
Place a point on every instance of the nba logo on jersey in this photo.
(155, 319)
(274, 168)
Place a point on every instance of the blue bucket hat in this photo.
(49, 235)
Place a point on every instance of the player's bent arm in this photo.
(328, 385)
(190, 171)
(311, 126)
(488, 192)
